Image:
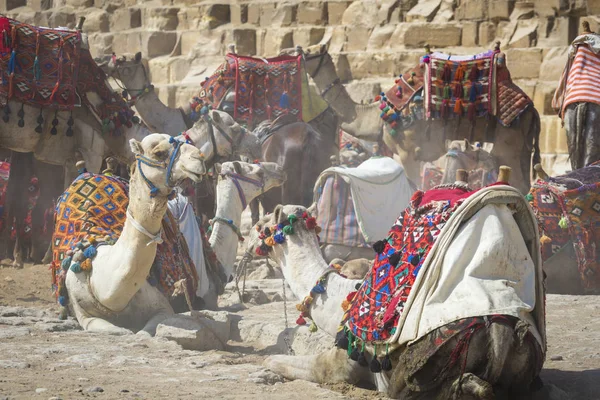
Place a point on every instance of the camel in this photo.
(425, 140)
(114, 296)
(578, 108)
(497, 361)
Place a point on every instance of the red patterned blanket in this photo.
(49, 68)
(264, 88)
(568, 210)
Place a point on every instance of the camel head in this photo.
(163, 162)
(315, 57)
(131, 70)
(252, 179)
(217, 128)
(287, 225)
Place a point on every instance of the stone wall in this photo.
(371, 40)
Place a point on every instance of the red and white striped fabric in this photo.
(583, 82)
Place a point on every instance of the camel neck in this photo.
(158, 116)
(302, 265)
(224, 239)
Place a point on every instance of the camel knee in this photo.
(471, 387)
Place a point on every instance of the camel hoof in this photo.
(17, 265)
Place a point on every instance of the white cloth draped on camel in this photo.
(380, 191)
(484, 263)
(188, 225)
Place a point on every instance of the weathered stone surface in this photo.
(245, 41)
(216, 14)
(523, 10)
(470, 34)
(361, 13)
(265, 377)
(213, 43)
(357, 38)
(239, 14)
(126, 18)
(424, 11)
(554, 63)
(191, 333)
(282, 15)
(156, 44)
(307, 36)
(362, 91)
(380, 37)
(524, 63)
(553, 138)
(437, 35)
(593, 7)
(95, 20)
(550, 7)
(556, 32)
(279, 39)
(544, 91)
(335, 39)
(253, 13)
(39, 5)
(472, 9)
(335, 11)
(500, 9)
(312, 13)
(13, 364)
(64, 16)
(6, 5)
(160, 19)
(445, 13)
(525, 35)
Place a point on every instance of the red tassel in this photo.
(300, 321)
(474, 72)
(447, 74)
(377, 98)
(458, 107)
(458, 90)
(471, 112)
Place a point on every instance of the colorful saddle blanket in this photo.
(93, 210)
(377, 306)
(568, 210)
(265, 89)
(50, 68)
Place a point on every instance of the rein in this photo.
(211, 127)
(154, 191)
(235, 178)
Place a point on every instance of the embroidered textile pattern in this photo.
(512, 101)
(263, 90)
(48, 68)
(478, 178)
(376, 308)
(568, 209)
(92, 212)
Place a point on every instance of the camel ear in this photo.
(237, 167)
(216, 117)
(138, 56)
(278, 215)
(136, 147)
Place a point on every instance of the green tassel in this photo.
(393, 132)
(292, 218)
(350, 341)
(447, 92)
(288, 230)
(313, 327)
(529, 197)
(563, 223)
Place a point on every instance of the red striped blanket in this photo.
(580, 81)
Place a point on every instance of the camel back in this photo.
(91, 213)
(264, 89)
(568, 211)
(448, 87)
(53, 69)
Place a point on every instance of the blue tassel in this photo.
(11, 62)
(62, 301)
(90, 252)
(66, 263)
(473, 93)
(37, 70)
(318, 289)
(75, 267)
(284, 101)
(394, 117)
(279, 238)
(79, 246)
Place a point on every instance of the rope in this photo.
(229, 223)
(153, 238)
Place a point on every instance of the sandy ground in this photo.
(42, 357)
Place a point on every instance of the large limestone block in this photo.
(555, 31)
(253, 13)
(554, 63)
(281, 14)
(222, 322)
(335, 11)
(160, 18)
(38, 5)
(525, 35)
(238, 14)
(361, 13)
(125, 18)
(544, 91)
(524, 63)
(335, 39)
(278, 39)
(245, 41)
(65, 16)
(523, 10)
(470, 33)
(100, 44)
(342, 67)
(380, 37)
(95, 20)
(6, 5)
(424, 11)
(158, 43)
(192, 333)
(593, 7)
(445, 13)
(203, 44)
(553, 137)
(357, 38)
(500, 9)
(472, 10)
(437, 35)
(312, 13)
(124, 42)
(216, 14)
(79, 3)
(305, 36)
(550, 7)
(363, 91)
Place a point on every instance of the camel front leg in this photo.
(18, 251)
(150, 328)
(95, 324)
(331, 366)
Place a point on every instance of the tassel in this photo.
(318, 288)
(66, 263)
(350, 340)
(341, 339)
(458, 90)
(313, 327)
(474, 74)
(386, 363)
(529, 197)
(379, 246)
(459, 75)
(12, 61)
(411, 80)
(394, 259)
(40, 120)
(362, 360)
(54, 131)
(382, 105)
(447, 73)
(284, 101)
(75, 267)
(288, 230)
(354, 355)
(563, 223)
(473, 93)
(37, 70)
(300, 321)
(471, 112)
(447, 92)
(86, 265)
(375, 366)
(90, 252)
(458, 107)
(545, 240)
(21, 115)
(62, 300)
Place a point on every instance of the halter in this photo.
(148, 87)
(235, 178)
(212, 126)
(154, 191)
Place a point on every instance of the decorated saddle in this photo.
(568, 211)
(264, 88)
(53, 69)
(445, 263)
(92, 213)
(448, 87)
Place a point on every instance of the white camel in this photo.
(115, 296)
